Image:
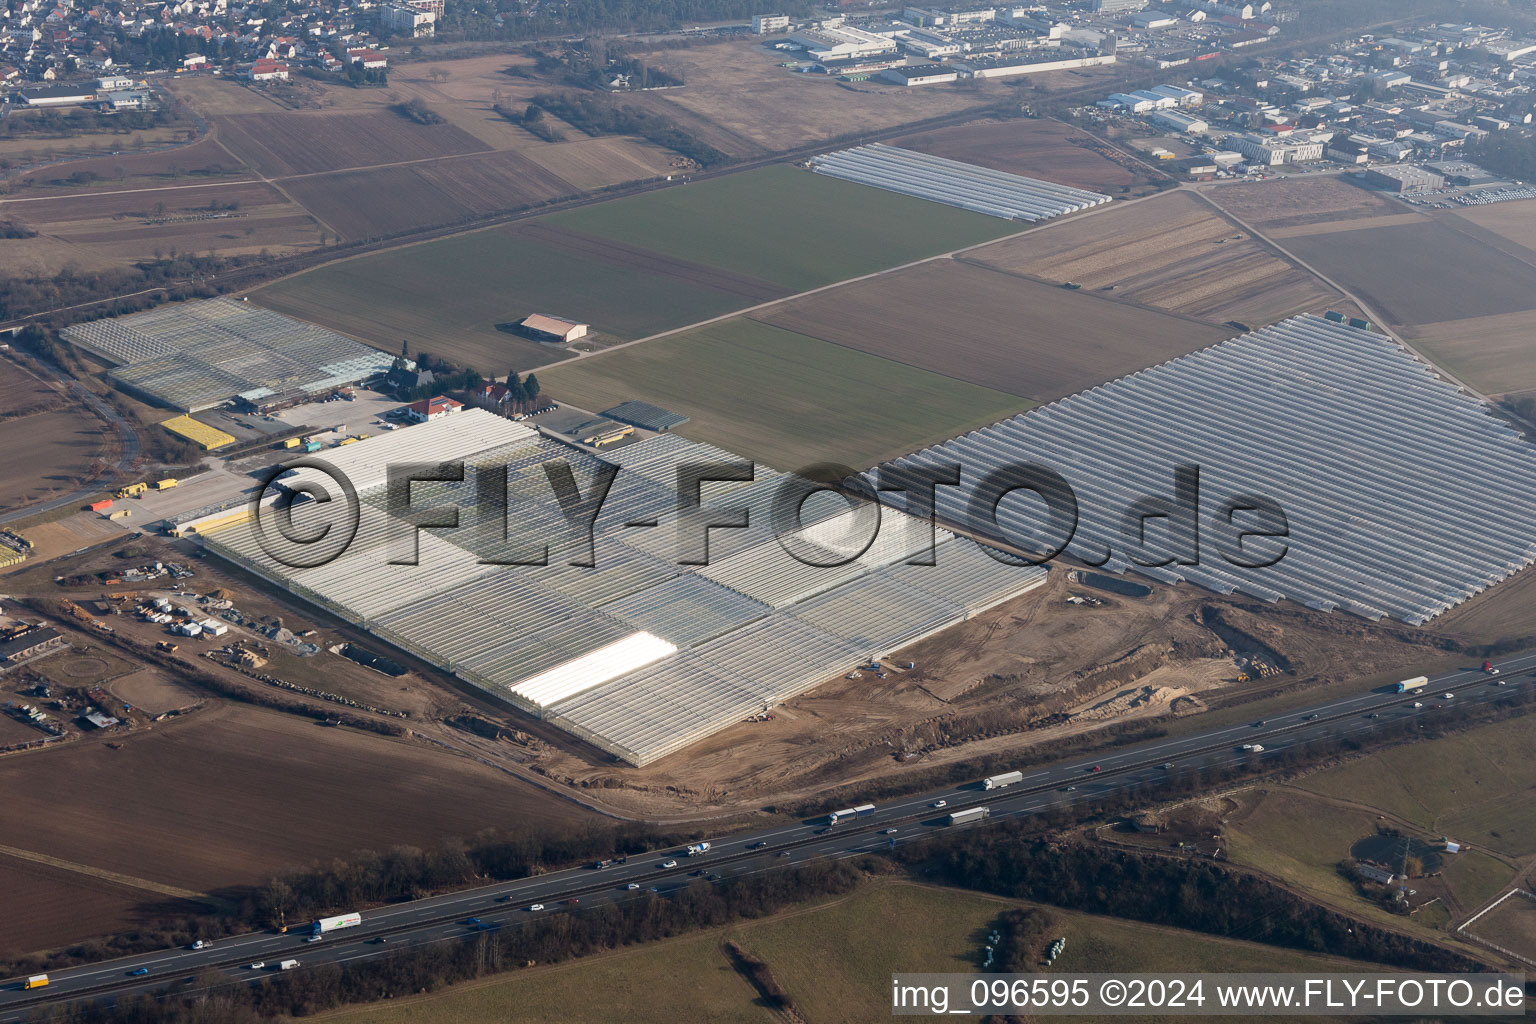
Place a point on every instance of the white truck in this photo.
(695, 849)
(287, 965)
(330, 924)
(1416, 683)
(969, 814)
(861, 811)
(999, 781)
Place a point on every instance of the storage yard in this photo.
(1322, 419)
(593, 650)
(197, 355)
(966, 186)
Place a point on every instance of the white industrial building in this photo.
(767, 24)
(920, 74)
(640, 654)
(1177, 120)
(1257, 149)
(827, 41)
(1028, 64)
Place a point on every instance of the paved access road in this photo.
(458, 914)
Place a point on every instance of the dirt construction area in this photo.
(1036, 149)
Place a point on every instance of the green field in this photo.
(835, 960)
(787, 225)
(1477, 786)
(782, 398)
(447, 298)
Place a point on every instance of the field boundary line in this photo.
(102, 873)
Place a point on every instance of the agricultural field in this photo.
(1035, 148)
(737, 99)
(400, 197)
(447, 297)
(43, 906)
(1296, 202)
(834, 959)
(239, 217)
(1492, 353)
(1477, 786)
(199, 161)
(785, 225)
(209, 95)
(994, 329)
(50, 448)
(285, 144)
(1512, 924)
(1173, 252)
(1385, 266)
(1513, 221)
(234, 793)
(783, 398)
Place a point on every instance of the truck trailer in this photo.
(331, 924)
(969, 814)
(36, 981)
(166, 484)
(999, 781)
(1416, 683)
(861, 811)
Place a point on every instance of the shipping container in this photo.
(122, 513)
(166, 484)
(292, 442)
(100, 506)
(36, 981)
(1416, 683)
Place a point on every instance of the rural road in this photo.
(457, 915)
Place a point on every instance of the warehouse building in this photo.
(1402, 178)
(56, 95)
(953, 183)
(639, 652)
(645, 415)
(835, 41)
(920, 74)
(192, 356)
(1363, 448)
(552, 328)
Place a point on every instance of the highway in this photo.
(461, 913)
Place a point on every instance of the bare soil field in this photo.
(386, 200)
(48, 454)
(62, 536)
(306, 142)
(153, 691)
(44, 256)
(1289, 202)
(1388, 268)
(1035, 148)
(46, 213)
(1494, 354)
(1512, 924)
(199, 160)
(589, 163)
(996, 329)
(1515, 221)
(47, 907)
(233, 793)
(23, 149)
(1173, 252)
(755, 106)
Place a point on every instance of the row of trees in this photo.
(599, 114)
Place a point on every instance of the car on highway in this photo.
(573, 901)
(1308, 718)
(1374, 714)
(783, 853)
(379, 940)
(314, 938)
(939, 803)
(716, 877)
(824, 831)
(1259, 724)
(1166, 766)
(632, 886)
(257, 965)
(138, 972)
(890, 832)
(696, 873)
(202, 944)
(1448, 696)
(531, 908)
(668, 864)
(1093, 769)
(1418, 703)
(1067, 789)
(1502, 682)
(654, 889)
(757, 845)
